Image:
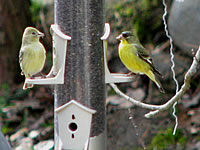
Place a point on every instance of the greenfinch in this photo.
(32, 54)
(136, 58)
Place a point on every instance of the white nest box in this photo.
(74, 123)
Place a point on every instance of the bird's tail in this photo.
(159, 85)
(154, 78)
(27, 85)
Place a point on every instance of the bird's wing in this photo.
(142, 52)
(144, 55)
(21, 54)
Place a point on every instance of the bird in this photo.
(32, 54)
(136, 58)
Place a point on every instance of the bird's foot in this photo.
(43, 76)
(50, 75)
(38, 75)
(130, 74)
(32, 77)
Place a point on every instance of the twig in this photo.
(159, 108)
(192, 70)
(135, 102)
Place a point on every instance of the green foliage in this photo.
(6, 129)
(50, 62)
(165, 140)
(132, 148)
(5, 94)
(198, 138)
(2, 103)
(36, 6)
(144, 16)
(47, 125)
(19, 94)
(111, 92)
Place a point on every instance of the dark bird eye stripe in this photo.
(127, 34)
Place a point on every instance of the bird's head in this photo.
(127, 37)
(32, 34)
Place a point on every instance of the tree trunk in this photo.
(14, 17)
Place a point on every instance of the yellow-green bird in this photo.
(32, 54)
(136, 58)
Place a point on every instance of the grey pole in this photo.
(83, 20)
(4, 145)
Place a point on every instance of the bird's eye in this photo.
(33, 33)
(125, 35)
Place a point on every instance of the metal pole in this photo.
(4, 143)
(83, 20)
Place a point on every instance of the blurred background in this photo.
(26, 117)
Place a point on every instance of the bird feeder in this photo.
(74, 123)
(112, 77)
(56, 75)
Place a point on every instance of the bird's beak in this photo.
(119, 37)
(40, 34)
